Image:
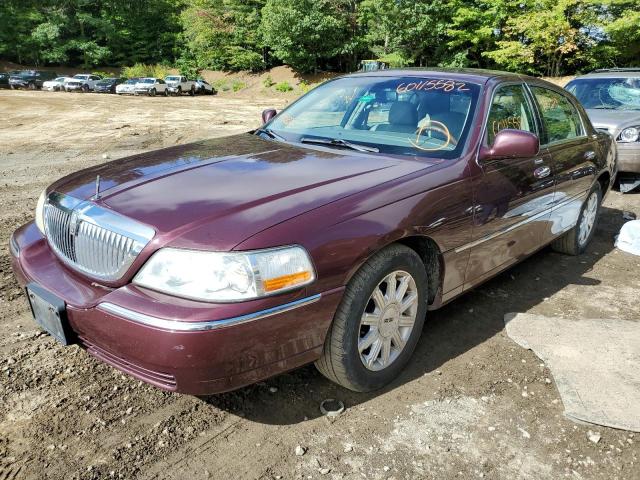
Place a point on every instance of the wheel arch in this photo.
(429, 252)
(604, 179)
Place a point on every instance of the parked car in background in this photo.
(108, 85)
(177, 85)
(4, 80)
(204, 88)
(151, 86)
(30, 79)
(84, 82)
(324, 236)
(55, 85)
(128, 87)
(612, 100)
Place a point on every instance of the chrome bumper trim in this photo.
(180, 326)
(14, 248)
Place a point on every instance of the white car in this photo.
(82, 81)
(128, 87)
(177, 85)
(205, 88)
(55, 85)
(151, 86)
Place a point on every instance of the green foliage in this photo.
(268, 82)
(187, 67)
(102, 74)
(304, 33)
(541, 37)
(144, 70)
(238, 85)
(284, 87)
(221, 85)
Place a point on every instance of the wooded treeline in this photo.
(541, 37)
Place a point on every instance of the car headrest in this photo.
(403, 113)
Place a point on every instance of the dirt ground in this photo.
(472, 403)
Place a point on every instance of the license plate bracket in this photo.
(49, 312)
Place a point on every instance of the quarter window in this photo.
(509, 109)
(560, 117)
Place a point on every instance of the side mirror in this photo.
(268, 114)
(510, 143)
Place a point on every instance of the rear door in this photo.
(574, 155)
(512, 197)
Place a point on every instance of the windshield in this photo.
(132, 81)
(59, 79)
(172, 79)
(397, 115)
(148, 80)
(81, 77)
(607, 93)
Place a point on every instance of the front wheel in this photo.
(575, 241)
(378, 322)
(152, 92)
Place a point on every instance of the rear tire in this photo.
(373, 333)
(576, 240)
(192, 92)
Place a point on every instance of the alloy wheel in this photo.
(388, 320)
(588, 219)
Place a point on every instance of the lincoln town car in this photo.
(326, 235)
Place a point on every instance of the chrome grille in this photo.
(92, 239)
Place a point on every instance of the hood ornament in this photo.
(96, 196)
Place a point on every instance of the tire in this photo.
(85, 88)
(576, 240)
(152, 92)
(179, 91)
(343, 359)
(166, 92)
(32, 86)
(192, 92)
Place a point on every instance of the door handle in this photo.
(542, 172)
(590, 155)
(538, 161)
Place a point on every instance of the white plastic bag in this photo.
(629, 238)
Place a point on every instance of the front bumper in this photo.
(628, 157)
(174, 344)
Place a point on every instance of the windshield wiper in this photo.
(338, 142)
(271, 134)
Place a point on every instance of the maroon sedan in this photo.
(324, 236)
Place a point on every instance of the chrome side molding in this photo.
(180, 326)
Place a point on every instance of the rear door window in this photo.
(560, 117)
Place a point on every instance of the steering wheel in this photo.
(431, 129)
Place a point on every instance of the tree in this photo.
(305, 34)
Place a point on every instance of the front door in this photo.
(573, 154)
(512, 197)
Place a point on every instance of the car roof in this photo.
(612, 73)
(477, 75)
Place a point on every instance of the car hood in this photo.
(613, 120)
(217, 193)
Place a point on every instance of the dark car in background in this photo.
(108, 85)
(4, 80)
(612, 100)
(30, 79)
(324, 236)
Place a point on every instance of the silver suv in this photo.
(612, 100)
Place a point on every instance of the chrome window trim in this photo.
(181, 326)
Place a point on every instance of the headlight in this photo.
(40, 211)
(226, 276)
(630, 134)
